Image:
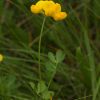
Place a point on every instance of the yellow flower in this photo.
(49, 8)
(1, 57)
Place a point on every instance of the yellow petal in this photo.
(60, 16)
(38, 7)
(57, 7)
(50, 8)
(35, 9)
(47, 4)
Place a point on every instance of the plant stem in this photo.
(39, 48)
(89, 51)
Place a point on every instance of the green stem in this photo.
(39, 48)
(90, 56)
(89, 51)
(91, 63)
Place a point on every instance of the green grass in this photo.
(70, 52)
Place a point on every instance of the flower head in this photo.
(49, 8)
(1, 57)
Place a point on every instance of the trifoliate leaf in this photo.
(41, 87)
(50, 67)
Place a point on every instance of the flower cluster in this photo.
(49, 8)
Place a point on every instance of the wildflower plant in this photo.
(49, 9)
(59, 77)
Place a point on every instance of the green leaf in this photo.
(79, 54)
(41, 87)
(51, 57)
(50, 67)
(32, 85)
(47, 94)
(60, 56)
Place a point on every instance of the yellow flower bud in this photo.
(1, 57)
